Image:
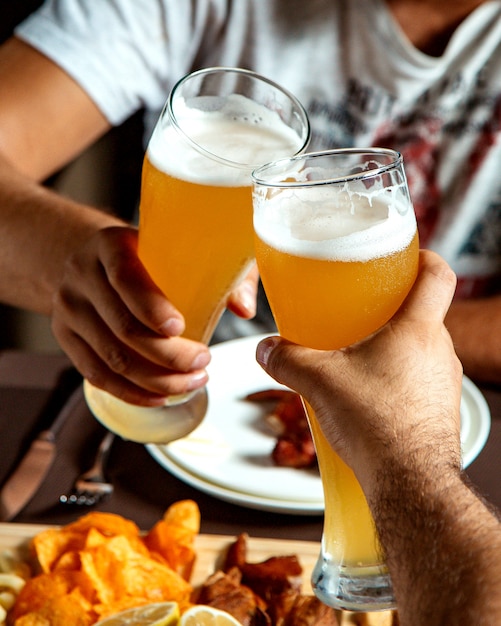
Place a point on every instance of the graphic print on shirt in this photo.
(445, 138)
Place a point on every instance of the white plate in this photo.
(235, 497)
(475, 421)
(229, 454)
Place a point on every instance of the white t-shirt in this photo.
(354, 70)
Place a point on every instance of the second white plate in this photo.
(229, 454)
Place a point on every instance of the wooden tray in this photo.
(210, 549)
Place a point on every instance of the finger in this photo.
(135, 288)
(432, 293)
(109, 328)
(111, 320)
(290, 364)
(140, 356)
(142, 383)
(242, 300)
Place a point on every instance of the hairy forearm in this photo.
(38, 231)
(475, 327)
(442, 546)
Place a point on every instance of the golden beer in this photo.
(337, 249)
(196, 254)
(326, 304)
(329, 304)
(195, 229)
(195, 223)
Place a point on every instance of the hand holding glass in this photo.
(337, 249)
(195, 230)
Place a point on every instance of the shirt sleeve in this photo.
(124, 54)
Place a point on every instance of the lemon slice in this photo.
(158, 614)
(201, 615)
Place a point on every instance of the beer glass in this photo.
(195, 225)
(337, 250)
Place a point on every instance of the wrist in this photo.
(399, 468)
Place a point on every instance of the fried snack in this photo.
(268, 593)
(268, 579)
(102, 564)
(173, 537)
(225, 591)
(288, 422)
(263, 594)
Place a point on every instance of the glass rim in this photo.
(257, 178)
(236, 70)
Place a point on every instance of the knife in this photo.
(33, 467)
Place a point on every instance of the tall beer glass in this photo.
(337, 249)
(195, 229)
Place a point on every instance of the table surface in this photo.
(143, 489)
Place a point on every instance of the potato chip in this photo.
(101, 564)
(117, 570)
(64, 610)
(32, 619)
(45, 589)
(109, 524)
(184, 513)
(175, 545)
(173, 536)
(67, 561)
(51, 544)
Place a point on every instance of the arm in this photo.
(389, 406)
(73, 262)
(475, 327)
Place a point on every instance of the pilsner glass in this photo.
(337, 249)
(195, 228)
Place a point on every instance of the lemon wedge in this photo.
(201, 615)
(157, 614)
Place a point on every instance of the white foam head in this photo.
(333, 223)
(241, 131)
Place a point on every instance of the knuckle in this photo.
(117, 272)
(93, 375)
(74, 267)
(63, 301)
(125, 325)
(118, 360)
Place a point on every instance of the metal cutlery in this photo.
(25, 480)
(91, 487)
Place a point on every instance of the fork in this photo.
(91, 487)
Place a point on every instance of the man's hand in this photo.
(120, 331)
(389, 406)
(391, 395)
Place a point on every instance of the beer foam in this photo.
(236, 129)
(325, 222)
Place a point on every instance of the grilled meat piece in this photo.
(309, 611)
(288, 422)
(278, 580)
(223, 590)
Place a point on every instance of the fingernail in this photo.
(201, 361)
(264, 349)
(197, 380)
(172, 327)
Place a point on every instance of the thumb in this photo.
(290, 364)
(432, 293)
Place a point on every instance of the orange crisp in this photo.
(102, 564)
